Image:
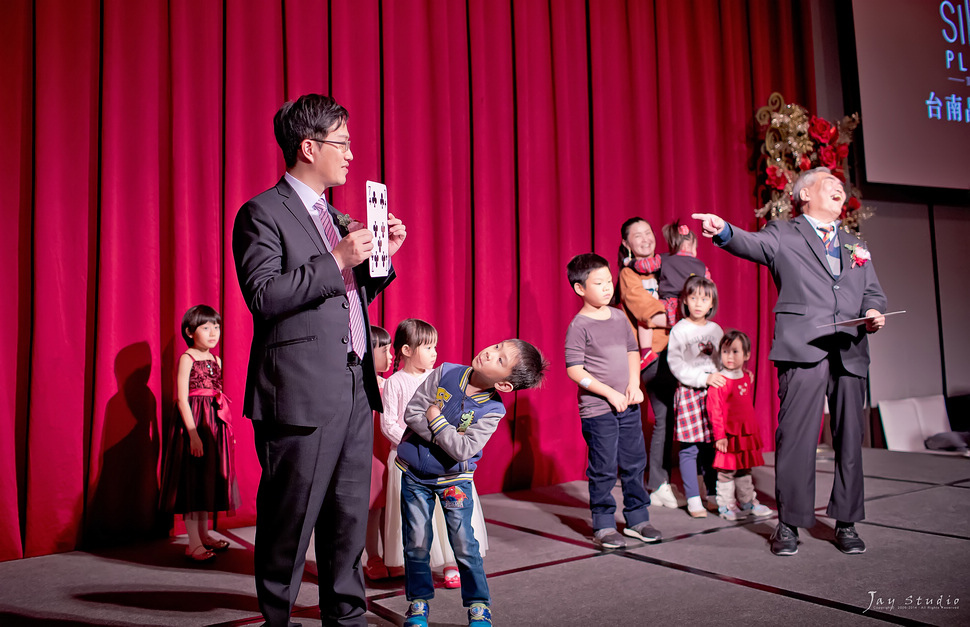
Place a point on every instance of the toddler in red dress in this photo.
(735, 431)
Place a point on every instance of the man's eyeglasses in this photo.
(344, 146)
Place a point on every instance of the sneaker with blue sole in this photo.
(754, 508)
(479, 615)
(417, 614)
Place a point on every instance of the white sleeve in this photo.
(680, 360)
(392, 420)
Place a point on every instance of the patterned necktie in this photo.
(828, 239)
(357, 339)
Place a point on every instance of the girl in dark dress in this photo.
(197, 473)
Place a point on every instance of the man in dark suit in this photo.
(823, 275)
(311, 384)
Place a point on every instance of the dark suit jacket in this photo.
(298, 360)
(809, 295)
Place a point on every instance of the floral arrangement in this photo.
(795, 141)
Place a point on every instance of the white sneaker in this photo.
(663, 497)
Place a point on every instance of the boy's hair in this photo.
(579, 267)
(694, 284)
(676, 234)
(414, 332)
(379, 337)
(530, 366)
(310, 116)
(733, 334)
(195, 317)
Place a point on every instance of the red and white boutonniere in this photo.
(349, 223)
(860, 256)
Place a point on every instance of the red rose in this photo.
(777, 177)
(842, 151)
(853, 203)
(827, 156)
(804, 163)
(820, 129)
(833, 134)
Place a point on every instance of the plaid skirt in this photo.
(690, 407)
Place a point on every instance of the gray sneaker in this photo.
(608, 539)
(643, 532)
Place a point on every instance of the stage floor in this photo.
(544, 570)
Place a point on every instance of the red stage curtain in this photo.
(511, 135)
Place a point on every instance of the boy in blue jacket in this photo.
(450, 418)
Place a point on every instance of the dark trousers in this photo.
(616, 440)
(802, 388)
(660, 385)
(314, 479)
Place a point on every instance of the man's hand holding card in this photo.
(396, 233)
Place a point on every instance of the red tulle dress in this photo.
(731, 412)
(206, 483)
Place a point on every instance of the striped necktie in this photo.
(358, 343)
(828, 239)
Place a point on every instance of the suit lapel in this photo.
(293, 204)
(844, 254)
(334, 215)
(814, 241)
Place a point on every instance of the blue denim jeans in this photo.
(616, 440)
(417, 510)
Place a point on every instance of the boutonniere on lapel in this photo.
(348, 223)
(860, 256)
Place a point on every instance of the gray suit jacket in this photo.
(298, 360)
(809, 295)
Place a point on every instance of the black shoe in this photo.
(848, 540)
(784, 540)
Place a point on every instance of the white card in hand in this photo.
(380, 259)
(856, 322)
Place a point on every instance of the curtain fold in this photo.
(16, 180)
(512, 135)
(494, 261)
(64, 264)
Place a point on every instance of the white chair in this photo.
(909, 421)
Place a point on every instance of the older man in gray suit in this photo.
(823, 275)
